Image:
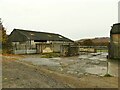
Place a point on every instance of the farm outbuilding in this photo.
(114, 48)
(26, 41)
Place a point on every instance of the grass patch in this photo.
(50, 55)
(102, 50)
(107, 75)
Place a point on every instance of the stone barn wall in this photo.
(69, 50)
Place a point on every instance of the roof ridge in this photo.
(46, 35)
(36, 31)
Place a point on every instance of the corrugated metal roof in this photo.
(35, 35)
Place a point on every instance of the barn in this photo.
(29, 42)
(114, 48)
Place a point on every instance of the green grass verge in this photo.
(102, 50)
(50, 55)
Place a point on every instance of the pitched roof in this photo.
(115, 29)
(35, 35)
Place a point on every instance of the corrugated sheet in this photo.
(21, 35)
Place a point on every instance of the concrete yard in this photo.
(84, 71)
(83, 64)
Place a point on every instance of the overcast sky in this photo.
(75, 19)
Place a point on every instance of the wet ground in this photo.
(32, 71)
(93, 63)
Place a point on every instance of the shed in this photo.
(27, 41)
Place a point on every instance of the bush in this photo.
(107, 75)
(7, 47)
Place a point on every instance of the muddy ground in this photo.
(32, 71)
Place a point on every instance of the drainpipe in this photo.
(30, 43)
(69, 50)
(118, 47)
(26, 47)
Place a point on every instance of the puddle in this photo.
(97, 70)
(84, 56)
(79, 65)
(56, 58)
